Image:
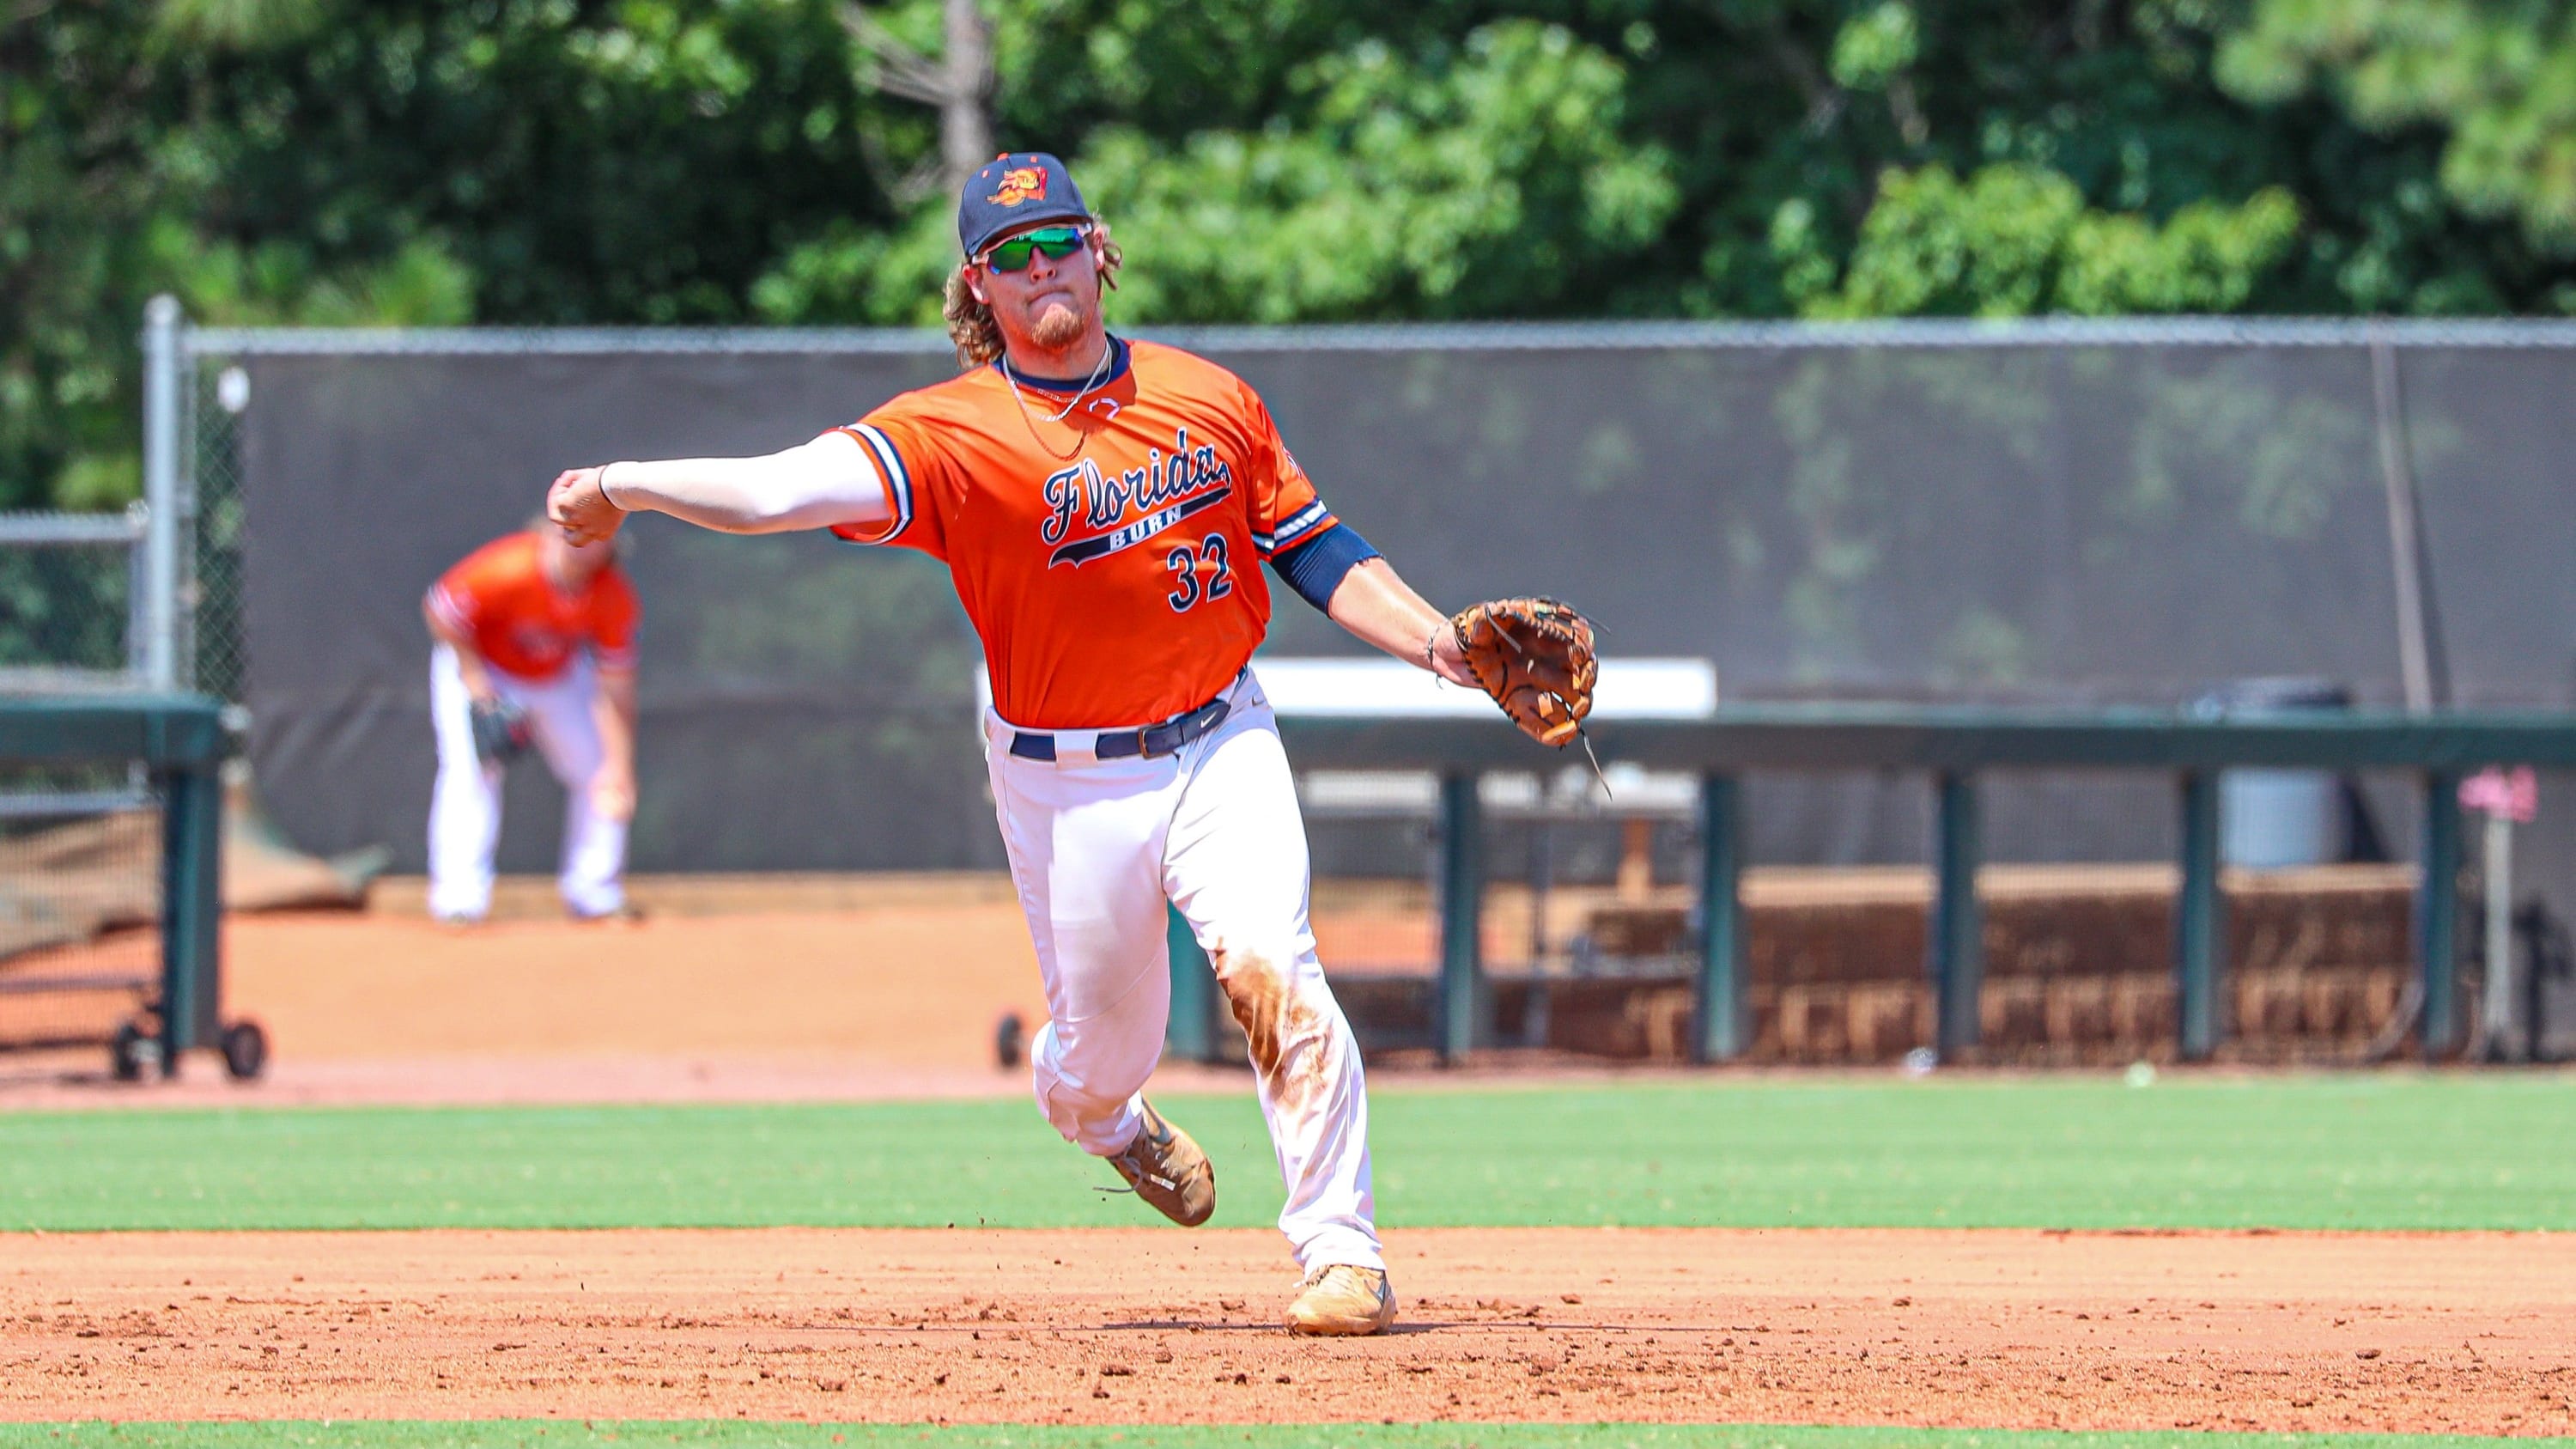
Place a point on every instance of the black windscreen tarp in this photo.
(2078, 523)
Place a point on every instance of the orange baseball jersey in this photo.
(499, 597)
(1110, 560)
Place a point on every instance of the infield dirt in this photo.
(2459, 1332)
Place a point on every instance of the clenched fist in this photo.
(578, 505)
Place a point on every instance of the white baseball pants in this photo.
(1097, 847)
(465, 805)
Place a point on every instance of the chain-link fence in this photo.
(2073, 510)
(92, 602)
(214, 643)
(70, 595)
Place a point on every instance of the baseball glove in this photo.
(1534, 656)
(500, 730)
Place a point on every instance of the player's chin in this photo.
(1056, 324)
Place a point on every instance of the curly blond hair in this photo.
(971, 328)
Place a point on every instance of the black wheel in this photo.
(125, 1052)
(1009, 1040)
(245, 1050)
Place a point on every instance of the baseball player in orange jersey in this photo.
(535, 644)
(1103, 506)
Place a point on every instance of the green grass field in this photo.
(2362, 1152)
(702, 1435)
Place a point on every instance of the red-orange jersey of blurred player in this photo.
(1110, 560)
(524, 625)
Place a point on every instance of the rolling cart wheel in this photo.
(245, 1050)
(125, 1052)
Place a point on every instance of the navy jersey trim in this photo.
(1291, 529)
(898, 483)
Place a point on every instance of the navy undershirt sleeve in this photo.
(1315, 568)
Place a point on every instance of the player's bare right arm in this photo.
(469, 662)
(813, 485)
(613, 787)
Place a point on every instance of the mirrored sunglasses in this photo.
(1058, 242)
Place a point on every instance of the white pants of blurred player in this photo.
(465, 806)
(1097, 847)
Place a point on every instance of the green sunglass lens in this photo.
(1058, 243)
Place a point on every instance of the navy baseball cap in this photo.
(1013, 190)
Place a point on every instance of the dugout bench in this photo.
(1953, 745)
(178, 744)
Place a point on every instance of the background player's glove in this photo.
(500, 729)
(1534, 656)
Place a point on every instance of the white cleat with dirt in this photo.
(1342, 1300)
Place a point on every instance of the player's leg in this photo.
(563, 710)
(1085, 842)
(1236, 866)
(464, 805)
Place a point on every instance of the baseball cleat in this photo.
(1168, 1170)
(1344, 1300)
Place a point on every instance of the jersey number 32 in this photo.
(1183, 561)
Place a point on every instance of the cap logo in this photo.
(1020, 183)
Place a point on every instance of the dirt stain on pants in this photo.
(1289, 1038)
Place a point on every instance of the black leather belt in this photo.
(1156, 739)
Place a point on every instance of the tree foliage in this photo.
(2016, 239)
(396, 161)
(654, 161)
(2496, 77)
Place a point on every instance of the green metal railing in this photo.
(1953, 745)
(181, 741)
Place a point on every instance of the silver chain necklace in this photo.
(1081, 437)
(1098, 369)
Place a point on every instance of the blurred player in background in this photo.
(1104, 507)
(535, 645)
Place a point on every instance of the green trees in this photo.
(653, 161)
(397, 161)
(2016, 239)
(2495, 78)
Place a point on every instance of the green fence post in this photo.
(1725, 1022)
(1462, 898)
(1957, 937)
(191, 928)
(2437, 913)
(1189, 1032)
(2199, 921)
